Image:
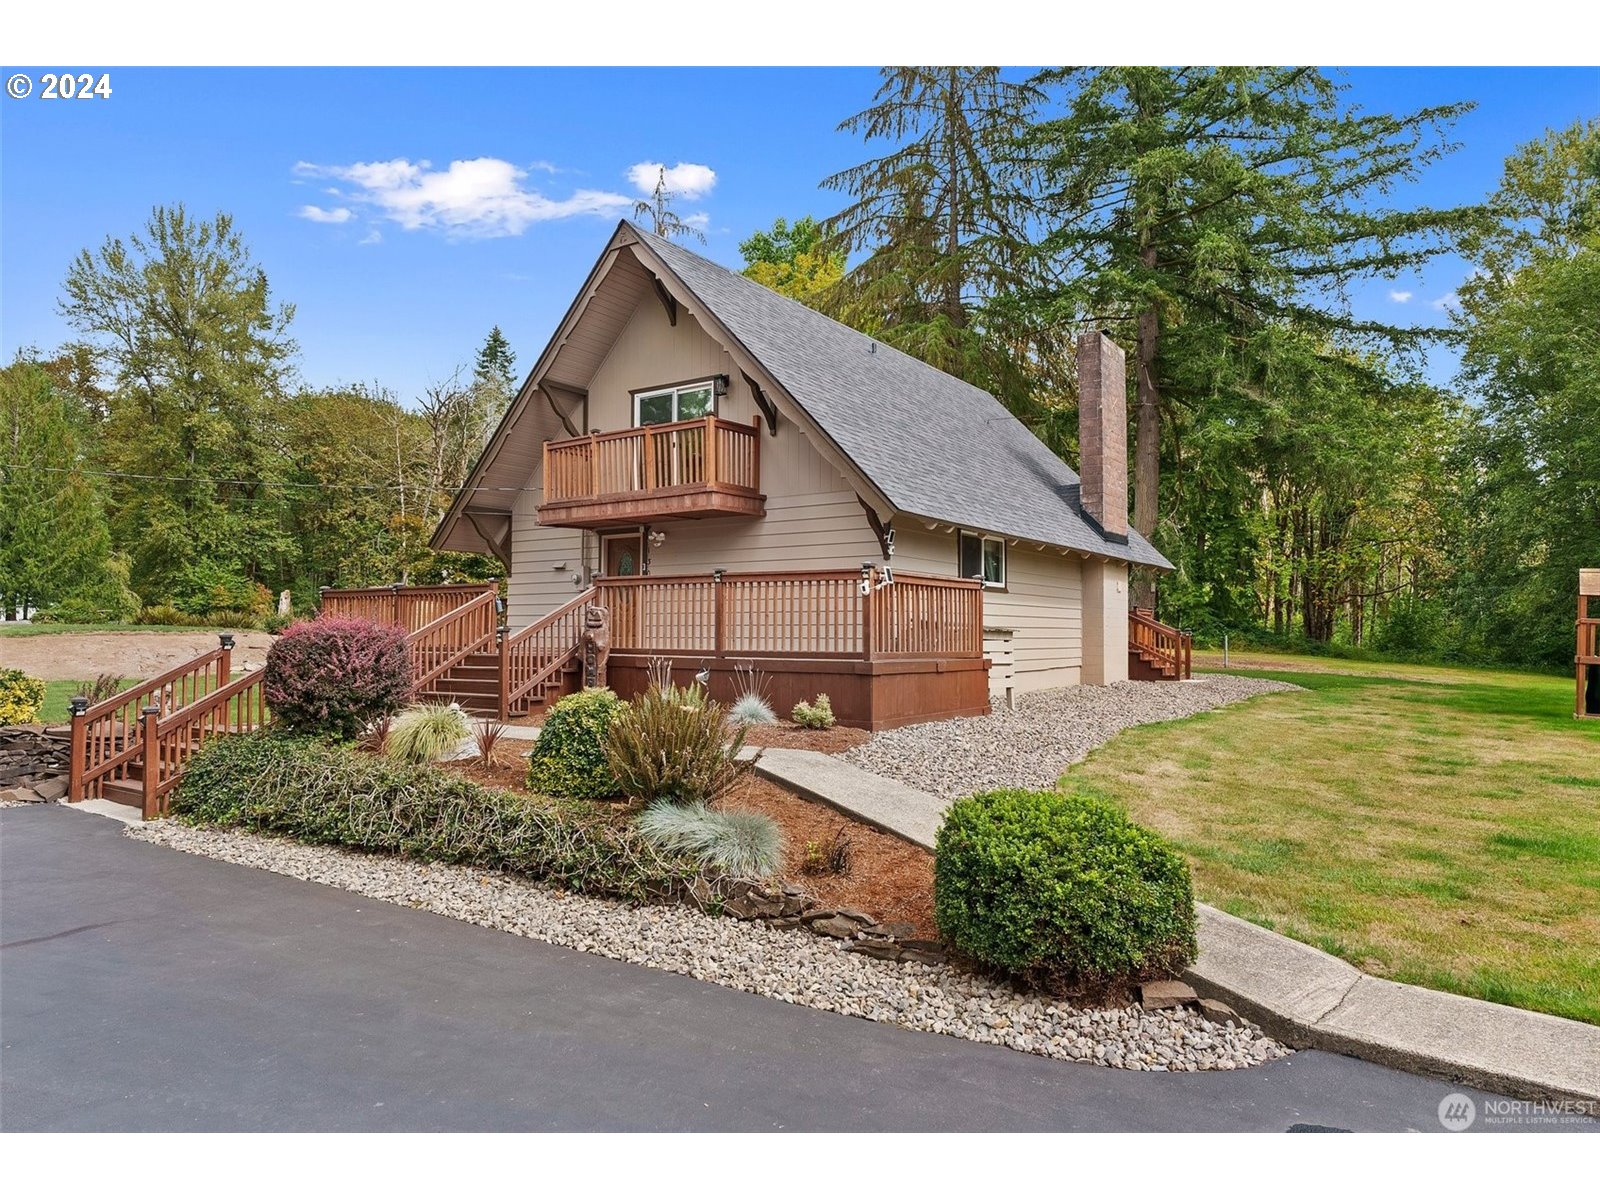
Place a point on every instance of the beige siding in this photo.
(1042, 602)
(813, 520)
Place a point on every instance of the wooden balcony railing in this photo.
(704, 467)
(806, 614)
(411, 608)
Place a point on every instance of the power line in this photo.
(352, 487)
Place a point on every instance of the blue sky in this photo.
(409, 266)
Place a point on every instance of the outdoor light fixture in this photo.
(720, 385)
(657, 536)
(717, 574)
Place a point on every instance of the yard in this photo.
(1432, 825)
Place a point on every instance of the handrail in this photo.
(169, 742)
(447, 640)
(409, 607)
(535, 653)
(1167, 645)
(106, 736)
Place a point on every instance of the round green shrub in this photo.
(569, 757)
(1062, 890)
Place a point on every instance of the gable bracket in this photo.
(768, 409)
(668, 301)
(501, 545)
(884, 530)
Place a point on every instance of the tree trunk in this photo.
(1147, 440)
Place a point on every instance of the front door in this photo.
(624, 554)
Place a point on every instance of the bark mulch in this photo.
(786, 735)
(884, 876)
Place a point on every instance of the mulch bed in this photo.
(787, 735)
(887, 877)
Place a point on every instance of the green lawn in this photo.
(1434, 825)
(56, 694)
(9, 630)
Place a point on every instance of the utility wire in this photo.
(352, 487)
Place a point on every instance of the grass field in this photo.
(1435, 825)
(8, 629)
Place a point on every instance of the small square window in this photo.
(983, 558)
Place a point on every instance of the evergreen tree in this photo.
(493, 383)
(942, 222)
(1211, 217)
(657, 210)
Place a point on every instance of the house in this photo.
(741, 481)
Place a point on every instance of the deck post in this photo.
(80, 748)
(503, 671)
(225, 660)
(719, 613)
(150, 757)
(711, 450)
(394, 604)
(868, 633)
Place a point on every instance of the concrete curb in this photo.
(1297, 993)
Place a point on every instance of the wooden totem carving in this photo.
(596, 645)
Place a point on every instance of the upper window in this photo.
(983, 558)
(686, 402)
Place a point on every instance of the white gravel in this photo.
(1049, 732)
(794, 966)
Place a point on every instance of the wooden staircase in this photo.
(1157, 652)
(133, 747)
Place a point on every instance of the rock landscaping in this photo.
(850, 969)
(33, 764)
(1049, 732)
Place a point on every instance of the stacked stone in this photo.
(787, 906)
(33, 763)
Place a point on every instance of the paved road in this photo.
(144, 989)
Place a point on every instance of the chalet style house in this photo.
(741, 481)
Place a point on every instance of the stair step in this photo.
(121, 791)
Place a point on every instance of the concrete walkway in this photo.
(1294, 991)
(147, 989)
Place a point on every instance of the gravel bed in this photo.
(1049, 732)
(794, 966)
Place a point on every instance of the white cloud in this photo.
(477, 197)
(372, 239)
(688, 181)
(1400, 297)
(1447, 301)
(699, 220)
(326, 216)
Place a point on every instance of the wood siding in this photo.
(1042, 603)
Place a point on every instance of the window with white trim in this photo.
(983, 558)
(685, 402)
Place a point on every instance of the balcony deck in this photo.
(702, 468)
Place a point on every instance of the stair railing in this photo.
(531, 656)
(169, 741)
(446, 640)
(1166, 646)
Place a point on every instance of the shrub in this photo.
(569, 757)
(324, 792)
(102, 687)
(20, 697)
(486, 735)
(750, 709)
(426, 733)
(165, 614)
(739, 844)
(337, 675)
(671, 745)
(831, 857)
(1061, 890)
(275, 624)
(814, 716)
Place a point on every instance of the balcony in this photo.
(702, 468)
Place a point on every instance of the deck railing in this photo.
(708, 453)
(810, 614)
(1169, 647)
(1587, 660)
(169, 741)
(106, 736)
(411, 608)
(448, 639)
(533, 655)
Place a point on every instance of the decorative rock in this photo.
(51, 789)
(818, 914)
(744, 907)
(1216, 1010)
(1166, 993)
(835, 927)
(876, 948)
(893, 929)
(855, 914)
(931, 958)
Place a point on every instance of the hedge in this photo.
(569, 756)
(323, 792)
(1062, 890)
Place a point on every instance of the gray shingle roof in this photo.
(936, 447)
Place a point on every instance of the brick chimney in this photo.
(1103, 433)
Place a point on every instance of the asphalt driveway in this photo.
(146, 989)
